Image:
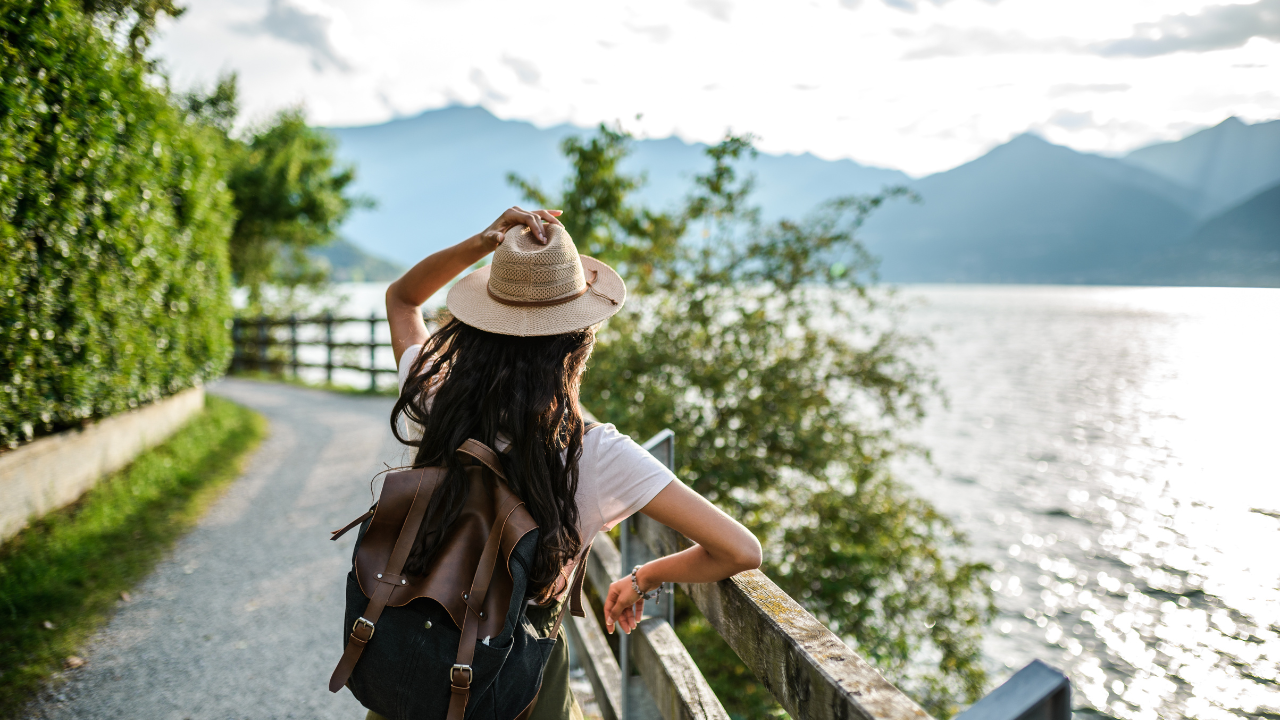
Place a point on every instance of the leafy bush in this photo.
(787, 384)
(114, 218)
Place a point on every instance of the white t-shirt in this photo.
(616, 477)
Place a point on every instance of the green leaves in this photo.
(781, 369)
(290, 195)
(114, 283)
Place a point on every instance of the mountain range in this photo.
(1204, 210)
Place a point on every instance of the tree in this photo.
(290, 196)
(788, 384)
(219, 108)
(290, 193)
(139, 15)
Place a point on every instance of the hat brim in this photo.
(469, 301)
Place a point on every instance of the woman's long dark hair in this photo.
(468, 383)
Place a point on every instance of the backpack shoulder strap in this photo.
(362, 630)
(484, 454)
(591, 426)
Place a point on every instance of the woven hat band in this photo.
(553, 301)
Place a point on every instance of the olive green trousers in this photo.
(555, 700)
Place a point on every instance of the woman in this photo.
(506, 370)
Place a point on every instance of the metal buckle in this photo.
(359, 621)
(456, 668)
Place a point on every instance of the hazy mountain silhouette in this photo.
(1228, 163)
(1030, 211)
(1027, 211)
(1240, 246)
(349, 262)
(441, 176)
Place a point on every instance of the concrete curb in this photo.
(56, 470)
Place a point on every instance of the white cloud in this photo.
(718, 9)
(1065, 89)
(805, 76)
(308, 27)
(526, 71)
(657, 33)
(954, 42)
(1214, 28)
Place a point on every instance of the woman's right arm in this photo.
(406, 295)
(724, 547)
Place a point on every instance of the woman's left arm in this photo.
(724, 547)
(406, 295)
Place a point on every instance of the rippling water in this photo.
(1112, 452)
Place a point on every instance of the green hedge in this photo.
(114, 279)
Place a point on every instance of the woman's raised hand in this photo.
(513, 216)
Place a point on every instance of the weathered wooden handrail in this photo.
(597, 660)
(676, 686)
(809, 670)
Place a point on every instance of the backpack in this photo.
(454, 643)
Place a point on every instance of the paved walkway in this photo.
(243, 620)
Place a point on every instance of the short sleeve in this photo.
(406, 362)
(626, 476)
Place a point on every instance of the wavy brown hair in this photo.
(468, 383)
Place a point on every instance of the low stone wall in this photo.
(56, 470)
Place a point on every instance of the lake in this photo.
(1111, 452)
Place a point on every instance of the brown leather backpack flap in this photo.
(398, 492)
(453, 569)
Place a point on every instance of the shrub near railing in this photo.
(114, 281)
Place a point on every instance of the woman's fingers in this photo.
(516, 215)
(549, 216)
(610, 608)
(535, 224)
(619, 615)
(627, 620)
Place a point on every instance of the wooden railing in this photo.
(271, 345)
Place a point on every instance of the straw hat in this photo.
(535, 289)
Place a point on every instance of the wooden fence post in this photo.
(328, 342)
(293, 344)
(261, 349)
(373, 351)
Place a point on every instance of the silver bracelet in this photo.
(635, 585)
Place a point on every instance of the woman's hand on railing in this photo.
(623, 607)
(724, 548)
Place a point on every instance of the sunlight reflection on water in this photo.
(1111, 452)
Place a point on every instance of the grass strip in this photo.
(62, 578)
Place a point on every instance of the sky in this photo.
(917, 85)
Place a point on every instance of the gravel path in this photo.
(242, 620)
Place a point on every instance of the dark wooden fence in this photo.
(271, 345)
